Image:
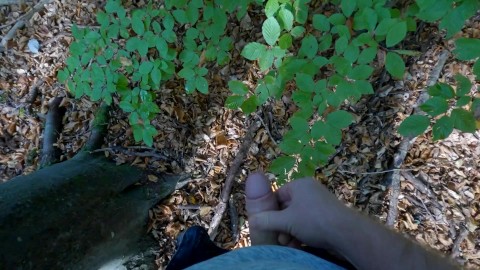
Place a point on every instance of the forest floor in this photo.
(439, 202)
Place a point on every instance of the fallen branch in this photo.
(456, 245)
(10, 2)
(231, 174)
(393, 179)
(32, 94)
(53, 127)
(128, 151)
(233, 213)
(21, 23)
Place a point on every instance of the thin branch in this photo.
(53, 127)
(128, 151)
(11, 2)
(373, 173)
(21, 23)
(231, 174)
(99, 129)
(233, 213)
(32, 94)
(456, 245)
(266, 128)
(393, 179)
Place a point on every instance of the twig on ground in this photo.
(380, 172)
(128, 151)
(417, 183)
(456, 245)
(11, 2)
(266, 129)
(21, 23)
(393, 179)
(32, 94)
(98, 129)
(231, 174)
(53, 127)
(233, 219)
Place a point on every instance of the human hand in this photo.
(308, 214)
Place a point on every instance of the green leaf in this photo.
(463, 101)
(126, 106)
(408, 52)
(148, 133)
(384, 27)
(441, 90)
(351, 53)
(463, 85)
(286, 18)
(271, 31)
(63, 75)
(103, 18)
(435, 106)
(180, 15)
(455, 18)
(476, 69)
(463, 120)
(321, 23)
(145, 67)
(339, 119)
(138, 25)
(367, 55)
(253, 51)
(397, 33)
(467, 48)
(234, 102)
(442, 128)
(285, 41)
(309, 47)
(395, 65)
(271, 7)
(282, 165)
(414, 125)
(250, 105)
(186, 73)
(341, 44)
(237, 87)
(266, 60)
(201, 84)
(360, 72)
(348, 7)
(297, 31)
(305, 82)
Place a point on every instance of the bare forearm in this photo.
(370, 245)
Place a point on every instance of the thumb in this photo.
(277, 221)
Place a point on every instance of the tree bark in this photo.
(78, 214)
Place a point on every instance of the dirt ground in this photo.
(440, 181)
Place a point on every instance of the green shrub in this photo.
(133, 53)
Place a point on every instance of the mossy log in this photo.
(78, 214)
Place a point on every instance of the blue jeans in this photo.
(266, 257)
(196, 250)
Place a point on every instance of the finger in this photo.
(278, 221)
(284, 194)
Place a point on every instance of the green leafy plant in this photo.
(331, 64)
(135, 51)
(327, 58)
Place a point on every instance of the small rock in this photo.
(33, 46)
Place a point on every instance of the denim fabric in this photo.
(266, 257)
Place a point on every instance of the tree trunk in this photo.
(78, 214)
